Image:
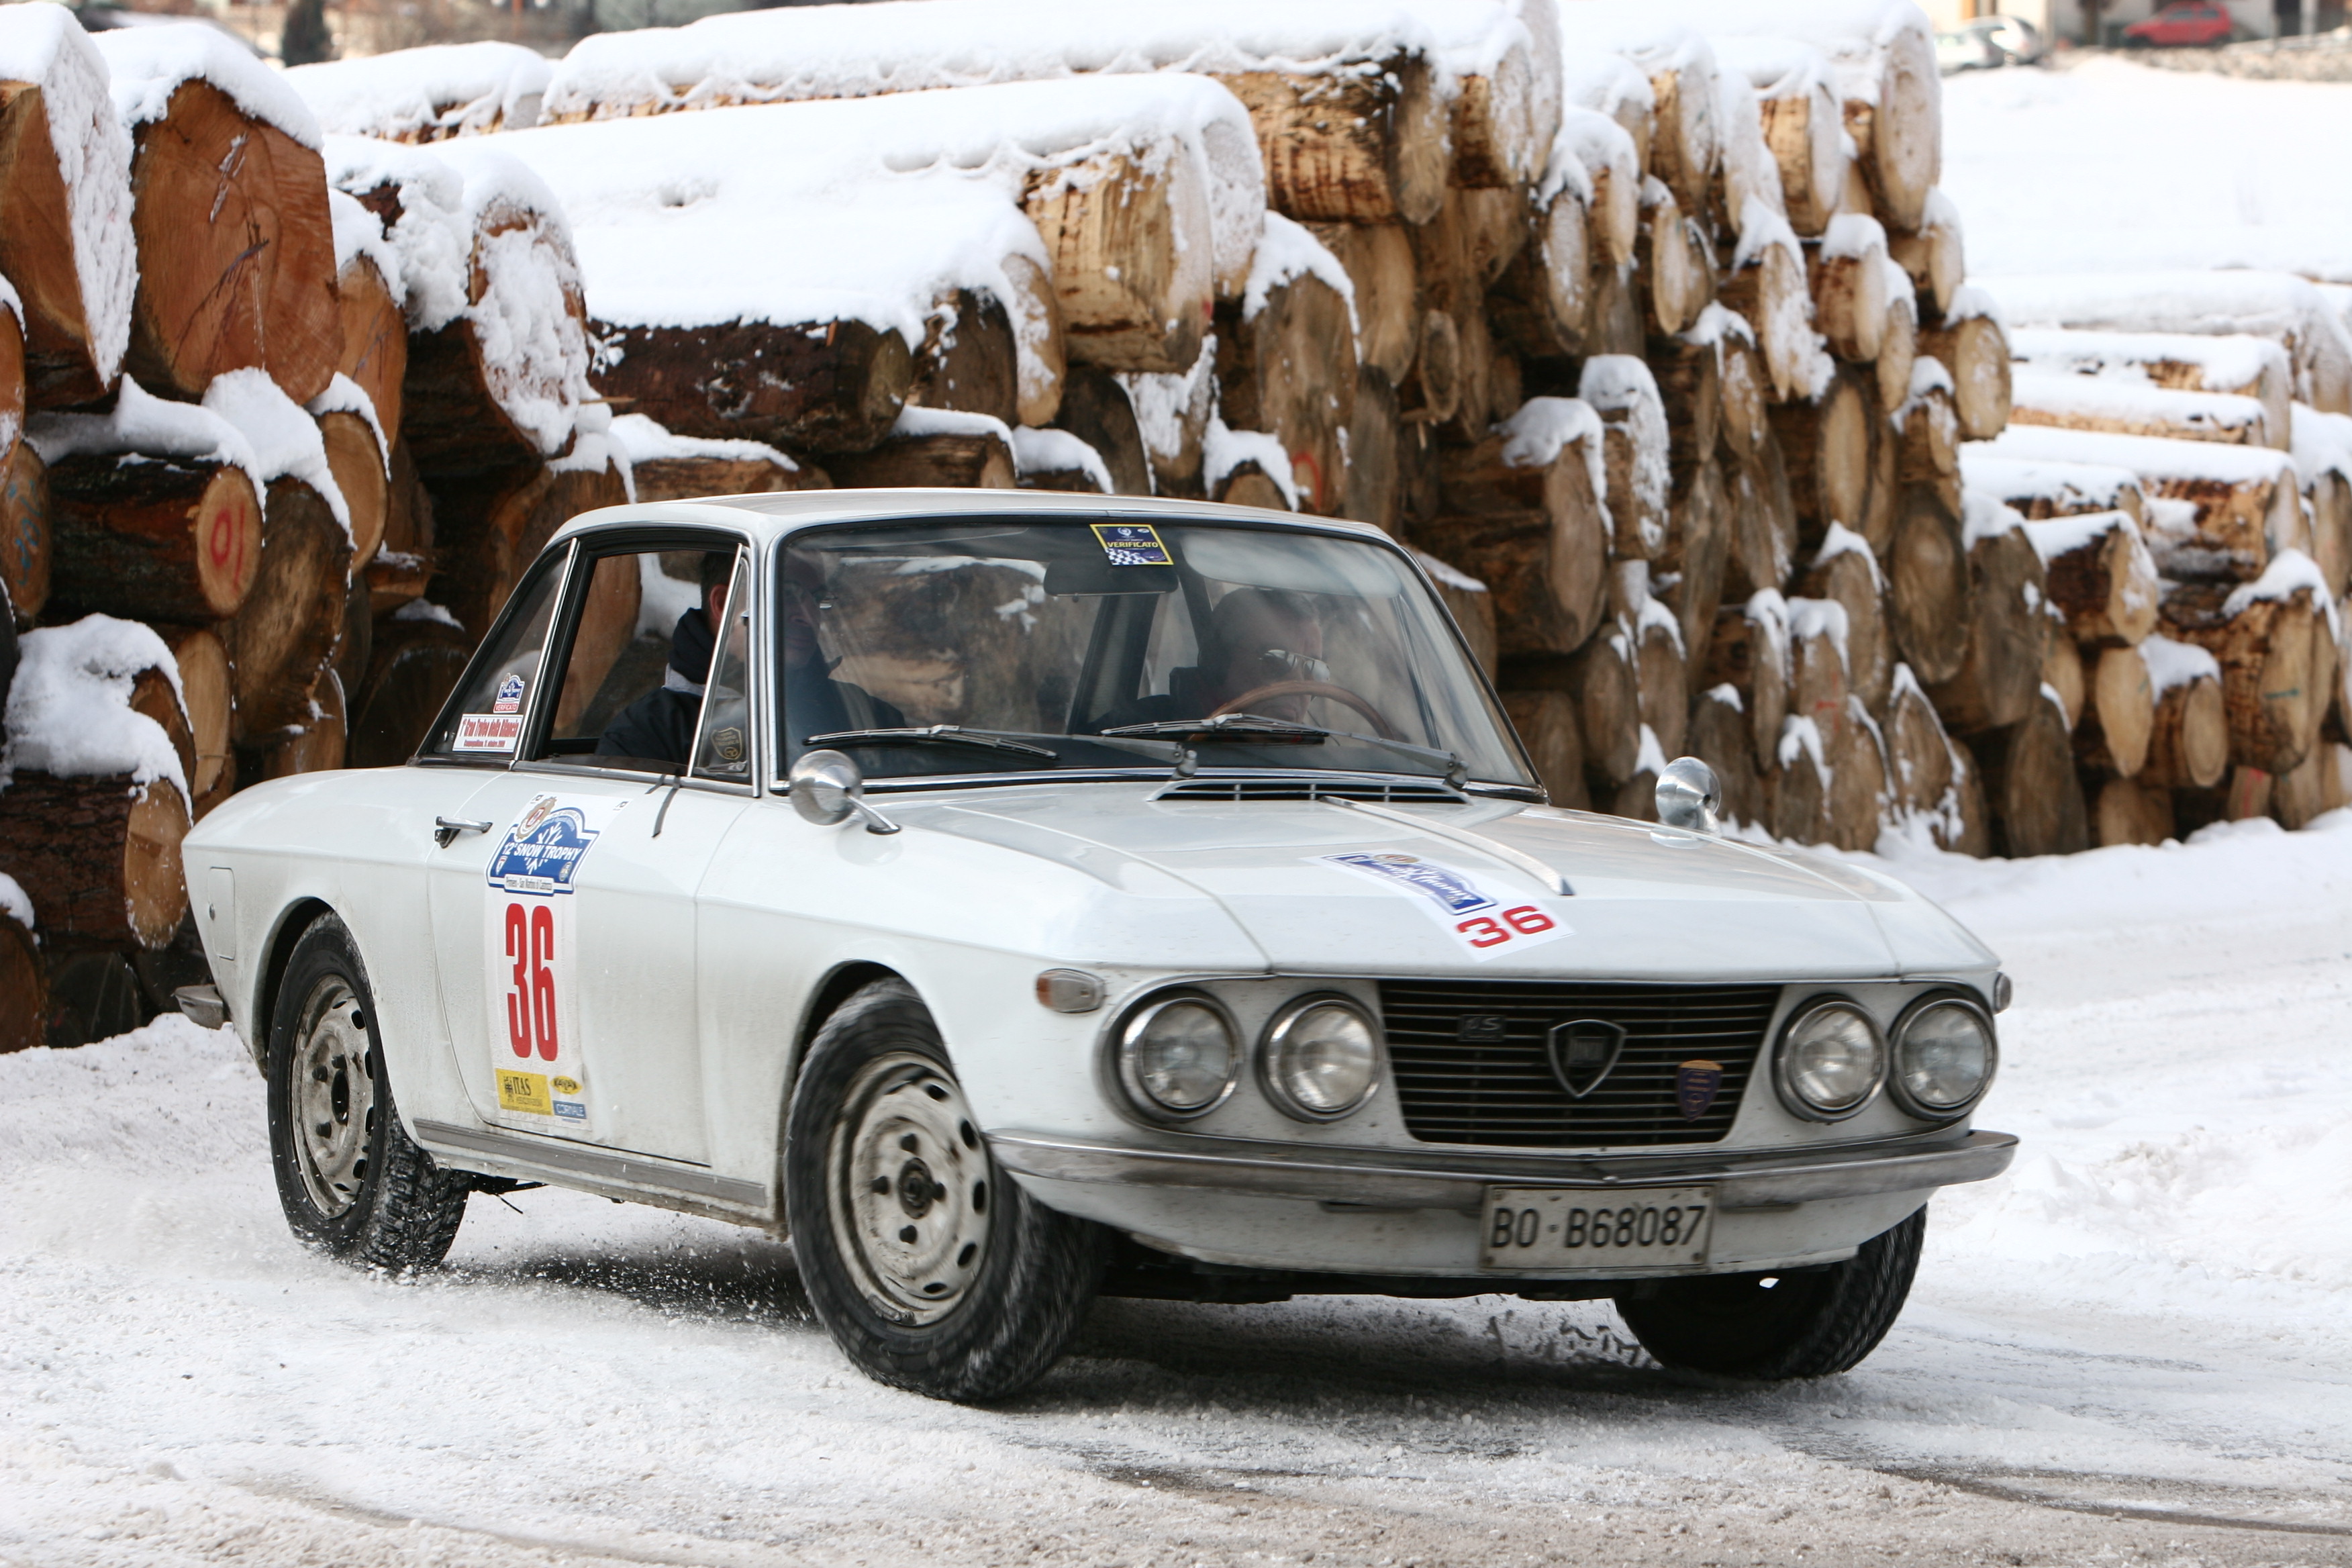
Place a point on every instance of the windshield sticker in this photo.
(1132, 544)
(1481, 925)
(487, 731)
(510, 697)
(531, 954)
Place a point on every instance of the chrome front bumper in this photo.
(1414, 1179)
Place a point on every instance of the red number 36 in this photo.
(1525, 921)
(530, 1009)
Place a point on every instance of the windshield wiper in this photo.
(931, 734)
(1254, 727)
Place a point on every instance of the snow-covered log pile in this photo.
(2213, 413)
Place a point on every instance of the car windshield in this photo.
(1092, 644)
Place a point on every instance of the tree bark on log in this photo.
(2119, 718)
(1764, 524)
(1826, 445)
(969, 361)
(1375, 442)
(159, 540)
(1249, 485)
(1097, 410)
(2099, 574)
(2030, 783)
(376, 338)
(1976, 350)
(1599, 676)
(826, 388)
(285, 632)
(1474, 410)
(1999, 675)
(1546, 722)
(2189, 739)
(322, 746)
(402, 564)
(960, 460)
(1379, 263)
(1857, 785)
(1929, 599)
(2062, 672)
(688, 479)
(1798, 795)
(206, 691)
(24, 989)
(2315, 785)
(1919, 776)
(1721, 737)
(1849, 577)
(1364, 146)
(2328, 504)
(1430, 393)
(26, 538)
(1748, 652)
(236, 251)
(1128, 248)
(1698, 549)
(1662, 680)
(1533, 535)
(1818, 685)
(1290, 371)
(2131, 811)
(1690, 383)
(39, 253)
(99, 857)
(2272, 692)
(416, 666)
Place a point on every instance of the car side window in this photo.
(722, 749)
(639, 655)
(483, 723)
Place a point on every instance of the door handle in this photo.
(446, 829)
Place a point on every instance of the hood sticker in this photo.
(1481, 924)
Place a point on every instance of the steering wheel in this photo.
(1339, 694)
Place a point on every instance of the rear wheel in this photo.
(930, 1271)
(351, 1181)
(1771, 1327)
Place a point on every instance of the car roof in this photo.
(774, 516)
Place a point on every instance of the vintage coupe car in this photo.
(1014, 898)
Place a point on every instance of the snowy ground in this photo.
(2114, 168)
(2137, 1348)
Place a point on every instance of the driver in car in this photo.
(1258, 639)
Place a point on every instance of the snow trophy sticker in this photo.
(531, 947)
(1132, 544)
(1477, 922)
(510, 697)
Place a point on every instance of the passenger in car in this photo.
(658, 728)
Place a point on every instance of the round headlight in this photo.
(1321, 1059)
(1944, 1055)
(1830, 1062)
(1177, 1057)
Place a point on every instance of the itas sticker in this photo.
(510, 697)
(1132, 544)
(487, 731)
(523, 1091)
(1484, 926)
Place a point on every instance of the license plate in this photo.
(1596, 1229)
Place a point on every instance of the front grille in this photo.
(1501, 1091)
(1378, 790)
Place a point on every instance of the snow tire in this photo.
(1036, 1273)
(1813, 1323)
(351, 1182)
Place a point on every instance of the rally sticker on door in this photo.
(1481, 925)
(530, 944)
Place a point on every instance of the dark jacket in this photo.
(659, 727)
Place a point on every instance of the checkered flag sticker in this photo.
(1132, 544)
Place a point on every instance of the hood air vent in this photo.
(1386, 792)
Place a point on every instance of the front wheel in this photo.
(1772, 1327)
(929, 1271)
(351, 1181)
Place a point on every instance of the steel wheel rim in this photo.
(332, 1096)
(909, 1189)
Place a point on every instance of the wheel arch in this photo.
(278, 953)
(842, 982)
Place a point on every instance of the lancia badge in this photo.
(1582, 1052)
(1695, 1086)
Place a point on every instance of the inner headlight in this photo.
(1320, 1060)
(1944, 1055)
(1830, 1063)
(1176, 1056)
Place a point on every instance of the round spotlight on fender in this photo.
(1945, 1054)
(1320, 1060)
(1832, 1061)
(1177, 1057)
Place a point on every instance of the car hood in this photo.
(1335, 887)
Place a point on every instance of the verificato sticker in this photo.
(1481, 924)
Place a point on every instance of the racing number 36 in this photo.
(531, 1008)
(1483, 931)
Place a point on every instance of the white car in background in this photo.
(1014, 898)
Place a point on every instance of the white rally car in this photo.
(1015, 898)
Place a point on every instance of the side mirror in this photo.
(1689, 796)
(826, 788)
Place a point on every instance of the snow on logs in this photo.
(427, 94)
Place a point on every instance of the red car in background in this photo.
(2185, 24)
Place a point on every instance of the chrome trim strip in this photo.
(597, 1164)
(1546, 878)
(1408, 1179)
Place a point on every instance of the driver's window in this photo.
(722, 748)
(640, 653)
